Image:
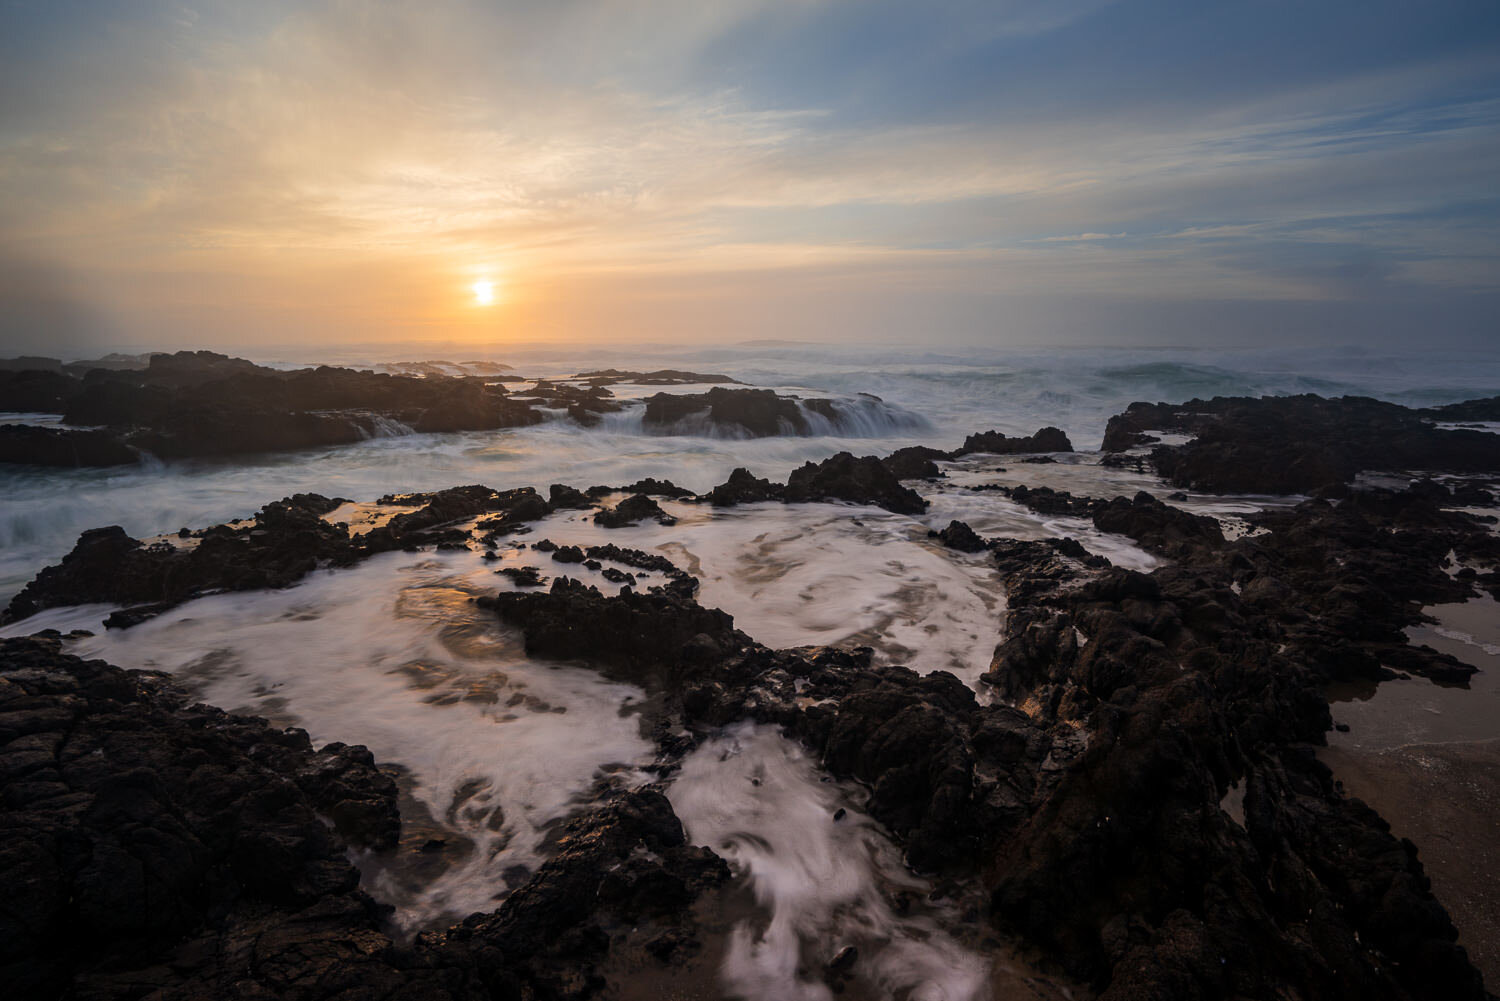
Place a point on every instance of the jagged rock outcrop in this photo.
(1157, 526)
(631, 510)
(659, 377)
(744, 488)
(1048, 439)
(286, 540)
(137, 823)
(915, 462)
(862, 480)
(1297, 444)
(46, 446)
(958, 535)
(197, 403)
(161, 848)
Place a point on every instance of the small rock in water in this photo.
(432, 845)
(844, 961)
(840, 814)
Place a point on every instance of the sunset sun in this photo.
(484, 292)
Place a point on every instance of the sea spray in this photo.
(824, 874)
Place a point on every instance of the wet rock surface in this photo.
(1086, 801)
(141, 830)
(742, 487)
(915, 462)
(1487, 409)
(658, 377)
(762, 413)
(843, 477)
(958, 535)
(197, 403)
(42, 446)
(285, 541)
(43, 391)
(1298, 444)
(635, 508)
(1048, 439)
(156, 847)
(862, 480)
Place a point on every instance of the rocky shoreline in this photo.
(196, 404)
(1141, 805)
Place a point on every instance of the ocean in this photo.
(389, 653)
(952, 394)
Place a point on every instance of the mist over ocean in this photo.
(951, 392)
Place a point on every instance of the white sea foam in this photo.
(818, 574)
(955, 393)
(824, 883)
(393, 655)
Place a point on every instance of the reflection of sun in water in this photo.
(484, 292)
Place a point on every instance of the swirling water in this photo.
(952, 395)
(392, 654)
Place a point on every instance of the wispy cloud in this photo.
(256, 154)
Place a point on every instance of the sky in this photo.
(996, 172)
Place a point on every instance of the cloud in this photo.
(234, 156)
(1083, 236)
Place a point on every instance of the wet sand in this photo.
(1446, 799)
(1427, 758)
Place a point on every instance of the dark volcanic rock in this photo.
(1298, 444)
(459, 504)
(153, 847)
(1094, 815)
(193, 368)
(1158, 527)
(653, 487)
(1133, 875)
(958, 535)
(200, 403)
(622, 875)
(46, 446)
(1487, 409)
(631, 510)
(287, 540)
(910, 737)
(1048, 439)
(584, 405)
(106, 565)
(563, 496)
(863, 480)
(134, 820)
(645, 638)
(28, 363)
(755, 413)
(1045, 500)
(37, 391)
(760, 413)
(915, 462)
(660, 377)
(634, 558)
(744, 488)
(523, 576)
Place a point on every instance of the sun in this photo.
(484, 292)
